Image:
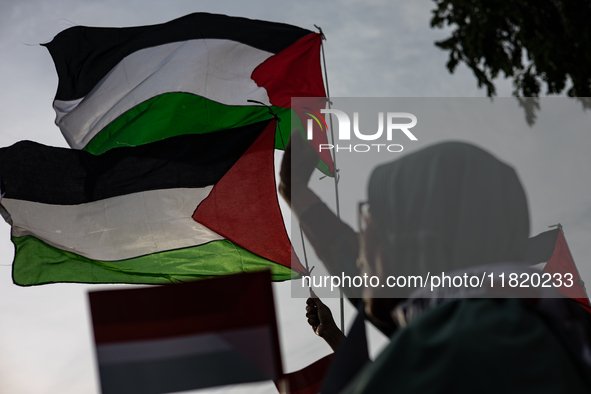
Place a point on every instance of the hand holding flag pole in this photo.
(322, 322)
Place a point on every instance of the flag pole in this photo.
(572, 259)
(334, 160)
(308, 270)
(277, 120)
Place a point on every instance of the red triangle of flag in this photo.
(295, 73)
(243, 208)
(562, 263)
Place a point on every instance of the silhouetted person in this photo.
(446, 208)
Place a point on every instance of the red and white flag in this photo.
(186, 336)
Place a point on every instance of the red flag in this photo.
(307, 380)
(562, 263)
(186, 336)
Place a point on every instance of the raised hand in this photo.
(320, 318)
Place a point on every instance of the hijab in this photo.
(449, 206)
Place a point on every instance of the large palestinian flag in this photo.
(171, 177)
(187, 207)
(197, 74)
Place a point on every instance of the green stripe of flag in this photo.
(173, 114)
(38, 263)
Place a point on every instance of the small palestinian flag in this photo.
(549, 251)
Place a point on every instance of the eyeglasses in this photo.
(363, 216)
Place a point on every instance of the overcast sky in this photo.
(375, 48)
